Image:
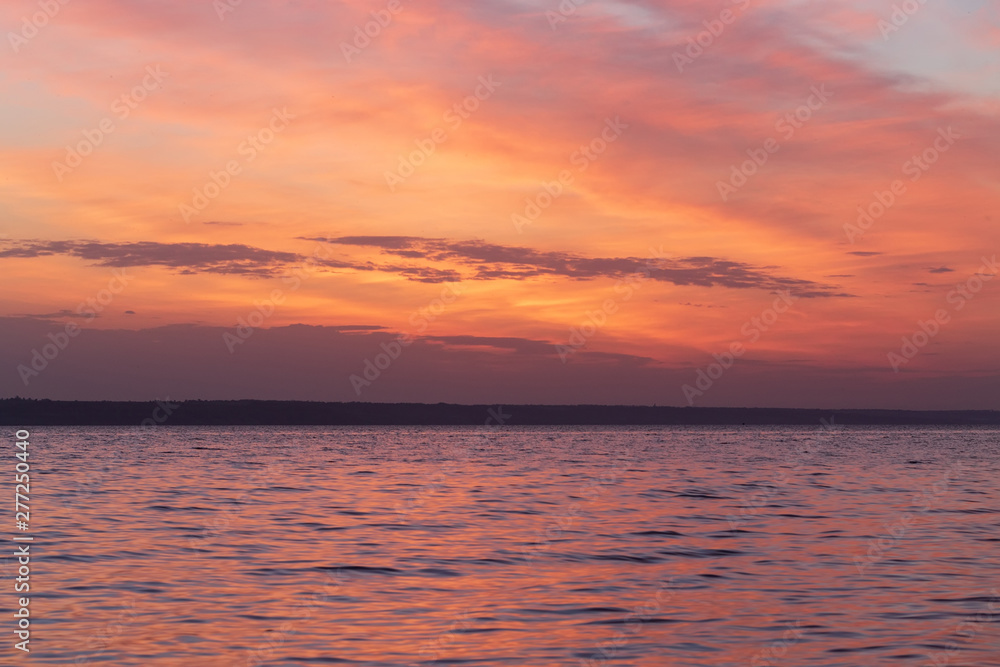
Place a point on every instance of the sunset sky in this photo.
(549, 203)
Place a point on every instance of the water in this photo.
(527, 546)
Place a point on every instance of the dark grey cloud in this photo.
(522, 345)
(490, 261)
(701, 305)
(194, 258)
(60, 314)
(187, 258)
(864, 253)
(483, 261)
(941, 269)
(347, 328)
(424, 274)
(398, 242)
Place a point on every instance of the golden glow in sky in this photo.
(549, 202)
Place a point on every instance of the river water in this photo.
(523, 546)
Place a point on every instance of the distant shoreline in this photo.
(18, 413)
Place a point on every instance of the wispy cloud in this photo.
(185, 257)
(490, 261)
(483, 261)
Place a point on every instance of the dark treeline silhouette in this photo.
(19, 412)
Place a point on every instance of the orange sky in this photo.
(312, 131)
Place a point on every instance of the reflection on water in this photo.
(589, 546)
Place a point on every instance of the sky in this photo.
(755, 203)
